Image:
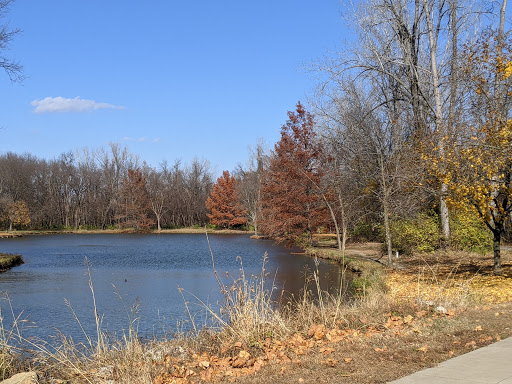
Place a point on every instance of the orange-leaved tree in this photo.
(291, 206)
(224, 203)
(134, 204)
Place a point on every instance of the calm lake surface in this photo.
(147, 268)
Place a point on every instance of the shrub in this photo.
(470, 234)
(420, 234)
(364, 231)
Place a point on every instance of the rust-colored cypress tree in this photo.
(291, 207)
(224, 203)
(134, 202)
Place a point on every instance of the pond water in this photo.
(147, 269)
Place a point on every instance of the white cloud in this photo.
(61, 104)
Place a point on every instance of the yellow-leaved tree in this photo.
(18, 214)
(477, 162)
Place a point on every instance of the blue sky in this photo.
(167, 79)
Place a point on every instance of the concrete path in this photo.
(491, 364)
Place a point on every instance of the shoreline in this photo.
(187, 230)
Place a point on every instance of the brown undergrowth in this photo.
(392, 328)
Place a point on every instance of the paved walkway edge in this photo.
(488, 365)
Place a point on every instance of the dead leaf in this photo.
(330, 362)
(421, 314)
(326, 350)
(470, 344)
(478, 328)
(241, 360)
(408, 319)
(311, 331)
(319, 332)
(423, 349)
(258, 365)
(348, 359)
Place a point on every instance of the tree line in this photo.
(101, 189)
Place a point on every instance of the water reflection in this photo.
(147, 269)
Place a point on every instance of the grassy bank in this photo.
(8, 261)
(390, 330)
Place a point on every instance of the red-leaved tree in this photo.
(291, 206)
(134, 204)
(224, 203)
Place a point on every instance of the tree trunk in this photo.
(385, 208)
(388, 233)
(77, 219)
(444, 213)
(496, 249)
(344, 229)
(333, 217)
(438, 112)
(454, 75)
(499, 93)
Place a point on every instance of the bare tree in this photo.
(11, 66)
(198, 184)
(158, 193)
(114, 163)
(409, 50)
(249, 180)
(373, 161)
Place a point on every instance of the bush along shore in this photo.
(431, 308)
(8, 261)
